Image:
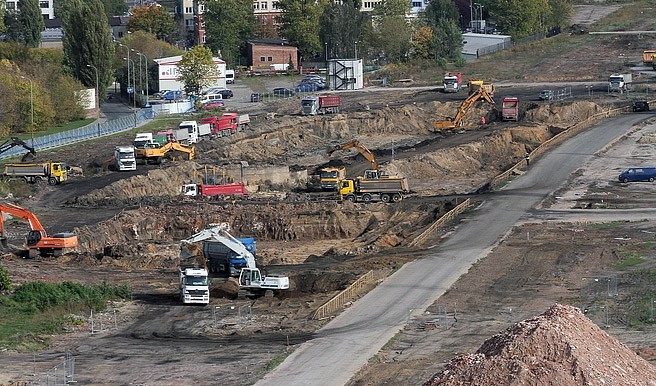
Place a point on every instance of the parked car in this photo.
(172, 95)
(647, 173)
(307, 87)
(640, 106)
(257, 97)
(546, 95)
(212, 104)
(160, 94)
(313, 77)
(281, 91)
(226, 93)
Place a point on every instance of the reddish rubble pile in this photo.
(559, 347)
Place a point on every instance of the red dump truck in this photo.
(324, 104)
(227, 124)
(510, 109)
(452, 82)
(213, 190)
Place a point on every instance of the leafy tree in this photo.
(5, 279)
(560, 15)
(440, 9)
(3, 28)
(88, 47)
(520, 18)
(448, 39)
(266, 30)
(31, 22)
(151, 18)
(397, 8)
(423, 43)
(300, 25)
(341, 27)
(197, 70)
(228, 24)
(115, 7)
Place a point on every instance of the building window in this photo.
(189, 10)
(262, 59)
(274, 5)
(270, 59)
(201, 8)
(263, 5)
(11, 5)
(44, 4)
(189, 22)
(256, 5)
(416, 4)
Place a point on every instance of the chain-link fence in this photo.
(62, 373)
(84, 133)
(237, 315)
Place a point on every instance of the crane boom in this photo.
(220, 233)
(362, 149)
(454, 122)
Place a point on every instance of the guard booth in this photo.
(345, 74)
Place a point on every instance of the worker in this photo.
(483, 121)
(527, 157)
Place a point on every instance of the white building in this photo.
(477, 45)
(47, 7)
(168, 73)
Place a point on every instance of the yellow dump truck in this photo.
(53, 172)
(475, 84)
(329, 177)
(388, 189)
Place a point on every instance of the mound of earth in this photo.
(559, 347)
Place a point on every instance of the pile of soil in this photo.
(559, 347)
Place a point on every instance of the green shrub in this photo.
(5, 280)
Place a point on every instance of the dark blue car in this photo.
(646, 173)
(308, 87)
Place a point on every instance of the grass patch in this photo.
(37, 310)
(275, 362)
(611, 224)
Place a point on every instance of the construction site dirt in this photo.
(130, 225)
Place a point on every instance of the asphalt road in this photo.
(345, 344)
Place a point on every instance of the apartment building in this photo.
(47, 7)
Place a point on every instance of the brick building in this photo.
(271, 54)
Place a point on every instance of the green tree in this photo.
(115, 7)
(31, 22)
(520, 18)
(423, 43)
(197, 70)
(560, 15)
(443, 18)
(88, 47)
(151, 18)
(228, 25)
(300, 25)
(3, 28)
(341, 28)
(392, 38)
(440, 9)
(5, 279)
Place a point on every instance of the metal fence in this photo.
(84, 133)
(61, 374)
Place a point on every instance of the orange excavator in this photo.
(456, 121)
(38, 241)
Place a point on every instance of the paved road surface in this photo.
(345, 344)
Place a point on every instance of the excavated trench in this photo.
(290, 228)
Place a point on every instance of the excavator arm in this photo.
(15, 141)
(220, 233)
(481, 93)
(362, 149)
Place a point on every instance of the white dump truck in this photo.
(194, 285)
(124, 158)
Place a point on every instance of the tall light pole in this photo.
(97, 88)
(356, 49)
(140, 73)
(128, 85)
(31, 107)
(146, 74)
(134, 86)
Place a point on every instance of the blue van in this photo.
(647, 173)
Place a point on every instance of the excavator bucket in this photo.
(445, 125)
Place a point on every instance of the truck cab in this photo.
(125, 158)
(329, 177)
(194, 285)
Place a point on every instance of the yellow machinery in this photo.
(362, 149)
(155, 154)
(456, 121)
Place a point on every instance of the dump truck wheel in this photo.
(52, 181)
(396, 197)
(366, 198)
(350, 197)
(385, 198)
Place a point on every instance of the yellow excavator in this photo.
(155, 154)
(456, 121)
(362, 149)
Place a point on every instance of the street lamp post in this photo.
(146, 73)
(128, 59)
(356, 49)
(133, 80)
(97, 88)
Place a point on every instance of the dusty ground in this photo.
(129, 228)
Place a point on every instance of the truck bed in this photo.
(383, 185)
